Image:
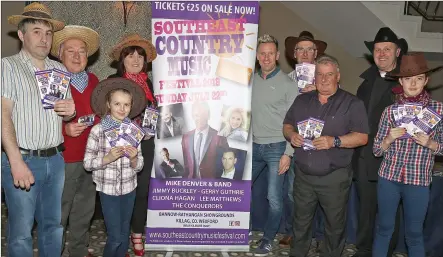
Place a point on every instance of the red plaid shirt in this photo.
(406, 161)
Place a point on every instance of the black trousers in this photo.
(140, 212)
(332, 193)
(367, 212)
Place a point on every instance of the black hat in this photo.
(385, 34)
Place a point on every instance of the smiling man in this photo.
(73, 45)
(324, 175)
(273, 92)
(376, 93)
(31, 138)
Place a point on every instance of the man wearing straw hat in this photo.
(73, 45)
(32, 162)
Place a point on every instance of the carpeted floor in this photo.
(98, 239)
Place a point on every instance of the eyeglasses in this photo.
(302, 50)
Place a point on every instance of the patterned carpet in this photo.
(98, 239)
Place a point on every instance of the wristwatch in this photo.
(337, 142)
(290, 156)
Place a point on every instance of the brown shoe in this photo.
(285, 241)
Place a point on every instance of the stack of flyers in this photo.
(150, 118)
(53, 86)
(43, 78)
(404, 114)
(424, 122)
(305, 75)
(126, 134)
(88, 120)
(309, 129)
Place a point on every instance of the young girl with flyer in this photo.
(408, 147)
(114, 167)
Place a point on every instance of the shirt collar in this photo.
(204, 131)
(330, 98)
(24, 56)
(270, 75)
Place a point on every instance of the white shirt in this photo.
(382, 73)
(170, 128)
(35, 127)
(204, 138)
(229, 175)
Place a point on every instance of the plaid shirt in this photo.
(406, 161)
(115, 178)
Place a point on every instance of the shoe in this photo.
(250, 237)
(285, 241)
(264, 248)
(137, 252)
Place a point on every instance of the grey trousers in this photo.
(332, 193)
(78, 206)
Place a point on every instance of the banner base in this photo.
(202, 248)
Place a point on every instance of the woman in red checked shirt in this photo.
(133, 53)
(406, 171)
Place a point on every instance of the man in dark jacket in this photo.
(376, 94)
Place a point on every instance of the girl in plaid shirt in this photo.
(406, 171)
(114, 169)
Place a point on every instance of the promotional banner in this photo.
(200, 187)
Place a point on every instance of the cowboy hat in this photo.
(412, 64)
(36, 11)
(85, 34)
(385, 34)
(98, 97)
(291, 42)
(134, 40)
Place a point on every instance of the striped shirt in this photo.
(115, 178)
(406, 161)
(36, 128)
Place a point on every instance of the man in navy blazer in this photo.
(229, 159)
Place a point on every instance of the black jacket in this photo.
(368, 168)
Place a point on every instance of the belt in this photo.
(45, 152)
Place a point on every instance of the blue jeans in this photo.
(415, 204)
(266, 158)
(117, 213)
(433, 229)
(42, 202)
(289, 198)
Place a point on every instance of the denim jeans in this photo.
(415, 204)
(42, 202)
(266, 158)
(288, 199)
(433, 229)
(117, 212)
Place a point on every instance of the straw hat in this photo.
(291, 42)
(412, 64)
(85, 34)
(134, 40)
(36, 11)
(98, 97)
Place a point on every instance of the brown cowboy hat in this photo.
(134, 40)
(36, 11)
(98, 97)
(85, 34)
(291, 42)
(412, 64)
